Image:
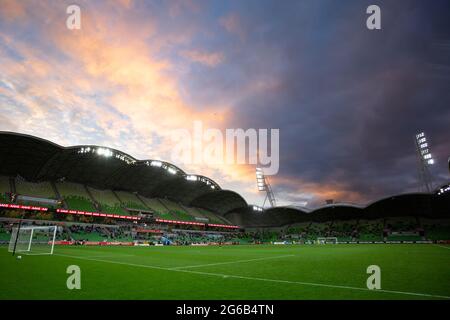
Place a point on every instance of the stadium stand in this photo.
(438, 229)
(158, 208)
(316, 230)
(370, 230)
(36, 189)
(176, 210)
(404, 237)
(343, 230)
(401, 223)
(75, 196)
(4, 189)
(86, 233)
(194, 212)
(213, 218)
(108, 201)
(130, 200)
(5, 232)
(299, 229)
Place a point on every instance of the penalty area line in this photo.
(257, 279)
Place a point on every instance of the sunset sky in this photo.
(347, 100)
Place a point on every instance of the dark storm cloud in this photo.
(347, 100)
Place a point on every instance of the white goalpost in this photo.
(327, 240)
(33, 239)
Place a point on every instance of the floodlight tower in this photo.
(424, 161)
(264, 185)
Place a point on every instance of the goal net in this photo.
(327, 240)
(33, 239)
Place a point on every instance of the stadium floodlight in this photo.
(263, 185)
(104, 152)
(171, 170)
(260, 179)
(191, 178)
(33, 240)
(84, 150)
(425, 159)
(256, 208)
(443, 190)
(156, 163)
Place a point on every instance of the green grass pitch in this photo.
(408, 271)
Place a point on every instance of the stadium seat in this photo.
(370, 230)
(436, 229)
(75, 196)
(108, 202)
(35, 189)
(158, 208)
(177, 211)
(130, 200)
(213, 218)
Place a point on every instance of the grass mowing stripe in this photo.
(231, 262)
(259, 279)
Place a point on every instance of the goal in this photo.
(327, 240)
(33, 239)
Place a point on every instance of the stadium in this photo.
(213, 158)
(145, 229)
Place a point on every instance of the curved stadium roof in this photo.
(430, 205)
(36, 159)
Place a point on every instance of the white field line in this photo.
(87, 250)
(112, 256)
(259, 279)
(230, 262)
(445, 247)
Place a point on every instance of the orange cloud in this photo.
(111, 87)
(125, 3)
(317, 193)
(210, 59)
(12, 10)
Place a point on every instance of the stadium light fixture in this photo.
(171, 170)
(423, 148)
(84, 150)
(104, 152)
(425, 159)
(443, 190)
(263, 185)
(155, 163)
(257, 209)
(191, 178)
